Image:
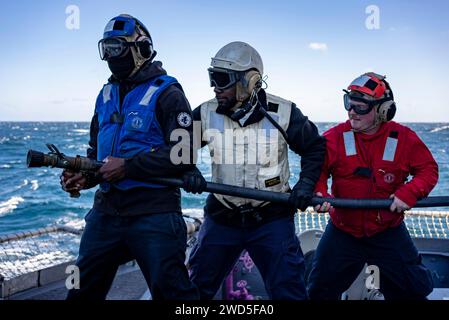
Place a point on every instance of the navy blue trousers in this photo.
(156, 241)
(340, 258)
(273, 247)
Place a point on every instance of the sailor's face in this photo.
(361, 122)
(226, 97)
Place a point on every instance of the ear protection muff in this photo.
(253, 80)
(250, 81)
(145, 47)
(387, 109)
(144, 41)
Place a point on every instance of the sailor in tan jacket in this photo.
(248, 133)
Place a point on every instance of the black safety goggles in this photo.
(223, 79)
(359, 105)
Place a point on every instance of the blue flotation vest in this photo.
(133, 129)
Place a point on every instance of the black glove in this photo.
(302, 193)
(194, 181)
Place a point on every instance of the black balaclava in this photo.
(122, 67)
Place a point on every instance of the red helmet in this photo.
(375, 91)
(370, 84)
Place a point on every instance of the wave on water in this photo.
(10, 205)
(83, 131)
(71, 220)
(3, 140)
(81, 147)
(34, 185)
(193, 212)
(25, 182)
(439, 129)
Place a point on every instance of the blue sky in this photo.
(311, 50)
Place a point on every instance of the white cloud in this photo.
(318, 46)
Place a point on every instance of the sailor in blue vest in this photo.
(132, 218)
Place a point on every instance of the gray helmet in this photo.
(238, 56)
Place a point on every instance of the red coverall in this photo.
(372, 166)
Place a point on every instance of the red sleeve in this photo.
(329, 159)
(422, 167)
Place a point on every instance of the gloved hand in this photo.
(194, 181)
(302, 193)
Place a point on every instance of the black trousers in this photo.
(340, 258)
(156, 241)
(273, 246)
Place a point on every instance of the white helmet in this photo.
(238, 56)
(240, 64)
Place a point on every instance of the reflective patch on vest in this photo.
(349, 138)
(390, 149)
(216, 121)
(148, 95)
(107, 93)
(272, 182)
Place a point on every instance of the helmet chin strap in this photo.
(247, 108)
(244, 98)
(247, 96)
(138, 63)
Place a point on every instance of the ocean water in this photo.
(32, 198)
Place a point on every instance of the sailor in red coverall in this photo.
(370, 156)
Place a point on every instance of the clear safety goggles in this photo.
(114, 47)
(222, 78)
